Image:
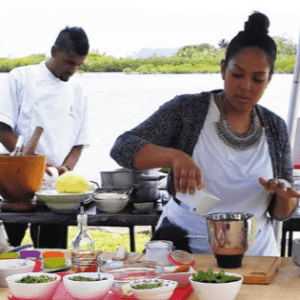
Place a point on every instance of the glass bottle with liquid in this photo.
(83, 253)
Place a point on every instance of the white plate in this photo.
(67, 265)
(63, 202)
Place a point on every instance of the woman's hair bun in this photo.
(257, 25)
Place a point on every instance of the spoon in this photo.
(17, 150)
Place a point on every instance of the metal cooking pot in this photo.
(230, 235)
(142, 183)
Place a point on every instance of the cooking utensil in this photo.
(17, 150)
(230, 235)
(142, 183)
(33, 142)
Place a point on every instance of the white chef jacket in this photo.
(225, 170)
(32, 96)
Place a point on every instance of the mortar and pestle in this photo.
(21, 176)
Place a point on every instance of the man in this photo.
(42, 95)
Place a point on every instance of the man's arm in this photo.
(71, 160)
(7, 137)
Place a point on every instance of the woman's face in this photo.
(246, 77)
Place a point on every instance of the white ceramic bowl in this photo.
(32, 291)
(14, 266)
(217, 291)
(159, 293)
(63, 202)
(110, 202)
(91, 290)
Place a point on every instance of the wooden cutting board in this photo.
(255, 269)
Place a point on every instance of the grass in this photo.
(108, 240)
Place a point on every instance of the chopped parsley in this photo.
(35, 279)
(83, 278)
(211, 277)
(148, 286)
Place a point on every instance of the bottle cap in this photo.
(180, 257)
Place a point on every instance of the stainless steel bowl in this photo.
(230, 235)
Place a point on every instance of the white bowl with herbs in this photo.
(152, 289)
(33, 285)
(216, 285)
(88, 285)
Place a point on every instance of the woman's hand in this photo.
(286, 197)
(187, 175)
(281, 187)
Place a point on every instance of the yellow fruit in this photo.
(71, 182)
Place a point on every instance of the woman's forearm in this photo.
(153, 156)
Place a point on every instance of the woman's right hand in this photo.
(187, 175)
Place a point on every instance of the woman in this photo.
(224, 141)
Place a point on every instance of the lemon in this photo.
(71, 182)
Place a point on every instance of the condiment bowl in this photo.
(33, 291)
(217, 291)
(163, 292)
(88, 290)
(14, 266)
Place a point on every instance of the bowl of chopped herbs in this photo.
(153, 289)
(34, 285)
(88, 285)
(220, 285)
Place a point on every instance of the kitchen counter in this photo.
(284, 286)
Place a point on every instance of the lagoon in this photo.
(119, 101)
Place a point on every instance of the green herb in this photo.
(211, 277)
(35, 279)
(82, 278)
(148, 286)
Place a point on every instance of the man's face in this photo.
(66, 64)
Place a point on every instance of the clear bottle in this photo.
(83, 253)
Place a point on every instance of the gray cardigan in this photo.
(178, 123)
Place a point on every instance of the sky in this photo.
(123, 27)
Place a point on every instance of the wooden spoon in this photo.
(33, 142)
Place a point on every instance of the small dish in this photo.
(164, 290)
(63, 202)
(111, 202)
(52, 270)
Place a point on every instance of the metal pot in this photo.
(230, 235)
(143, 183)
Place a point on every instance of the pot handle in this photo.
(144, 177)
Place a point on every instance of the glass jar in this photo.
(159, 251)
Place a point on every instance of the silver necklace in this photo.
(235, 140)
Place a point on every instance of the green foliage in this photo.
(202, 58)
